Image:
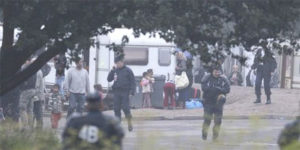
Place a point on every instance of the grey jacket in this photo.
(77, 81)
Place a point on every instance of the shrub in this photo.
(14, 138)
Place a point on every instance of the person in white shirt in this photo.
(77, 86)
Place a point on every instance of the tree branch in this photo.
(21, 76)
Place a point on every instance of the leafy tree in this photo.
(195, 25)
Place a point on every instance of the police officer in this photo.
(93, 130)
(215, 87)
(123, 87)
(290, 136)
(265, 64)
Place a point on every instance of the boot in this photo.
(215, 137)
(258, 100)
(204, 136)
(268, 99)
(130, 127)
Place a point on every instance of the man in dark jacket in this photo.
(265, 64)
(215, 87)
(123, 87)
(289, 138)
(94, 130)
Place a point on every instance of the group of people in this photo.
(215, 85)
(184, 66)
(89, 130)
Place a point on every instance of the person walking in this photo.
(215, 87)
(146, 90)
(123, 87)
(265, 64)
(77, 85)
(93, 130)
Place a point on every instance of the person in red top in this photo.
(169, 91)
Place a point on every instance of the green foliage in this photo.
(206, 27)
(12, 138)
(192, 24)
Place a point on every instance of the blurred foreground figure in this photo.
(94, 130)
(289, 138)
(215, 87)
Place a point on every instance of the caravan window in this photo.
(164, 57)
(136, 56)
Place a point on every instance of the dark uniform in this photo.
(124, 85)
(94, 130)
(290, 136)
(214, 96)
(265, 65)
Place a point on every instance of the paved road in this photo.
(186, 135)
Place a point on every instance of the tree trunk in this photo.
(7, 43)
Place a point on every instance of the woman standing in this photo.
(184, 65)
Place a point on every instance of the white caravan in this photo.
(141, 53)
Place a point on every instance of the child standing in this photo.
(55, 106)
(169, 91)
(151, 80)
(146, 90)
(99, 90)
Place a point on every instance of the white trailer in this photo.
(141, 53)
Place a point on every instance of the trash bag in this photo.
(193, 104)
